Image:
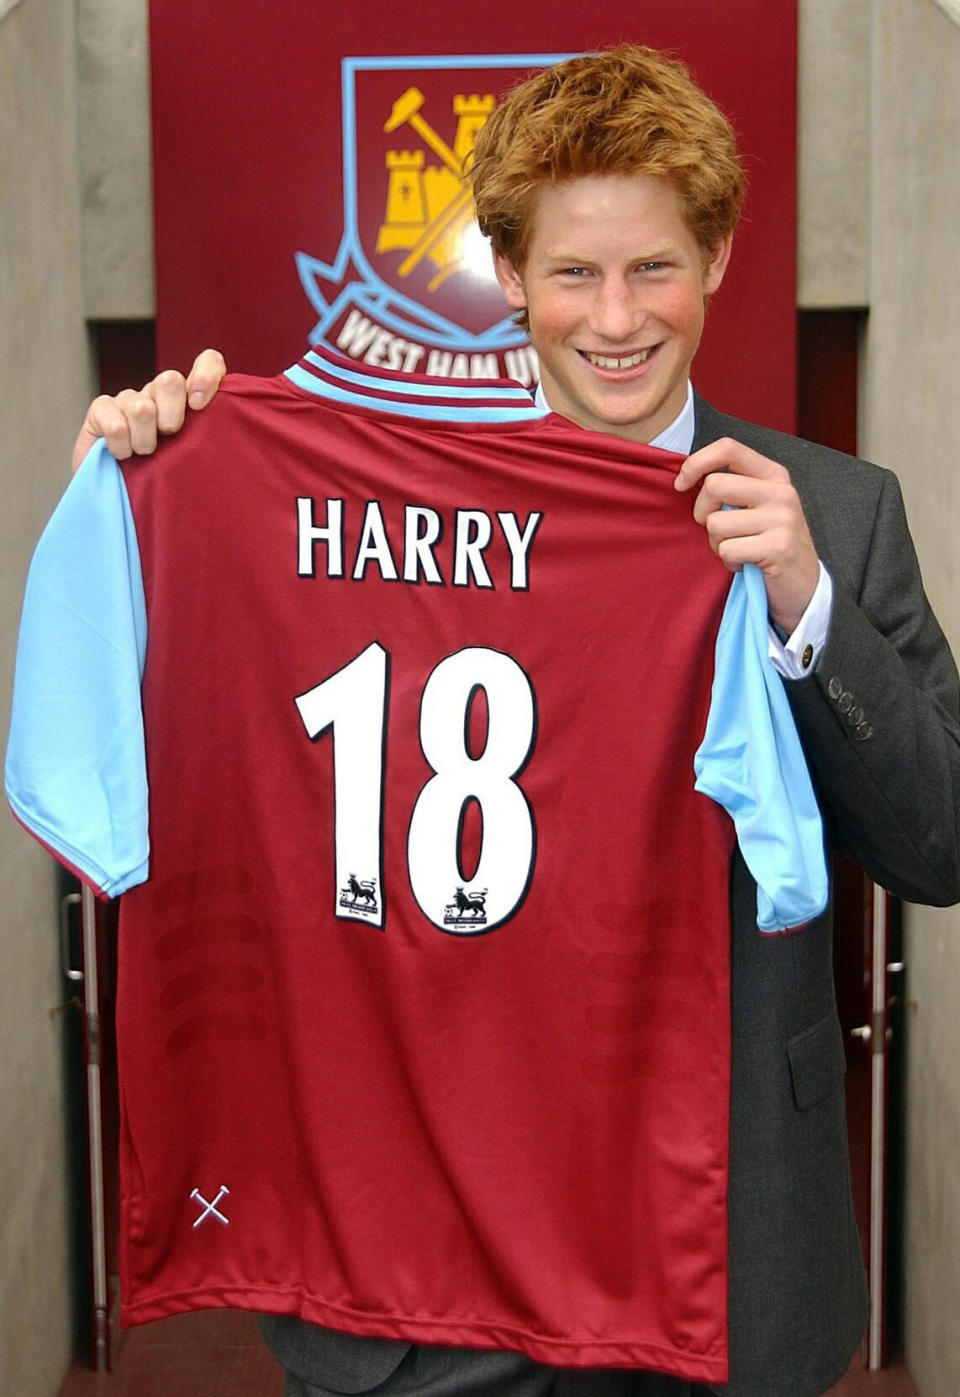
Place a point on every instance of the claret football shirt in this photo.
(379, 697)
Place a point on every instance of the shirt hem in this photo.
(466, 1333)
(95, 878)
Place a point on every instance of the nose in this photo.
(615, 312)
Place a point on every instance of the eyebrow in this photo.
(654, 254)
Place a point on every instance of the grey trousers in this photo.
(502, 1376)
(382, 1366)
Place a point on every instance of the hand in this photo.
(132, 421)
(766, 525)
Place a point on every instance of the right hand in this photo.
(132, 421)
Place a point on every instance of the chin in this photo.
(634, 414)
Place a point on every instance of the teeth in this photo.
(610, 361)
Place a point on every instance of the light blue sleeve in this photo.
(75, 770)
(752, 763)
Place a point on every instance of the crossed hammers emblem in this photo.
(406, 112)
(210, 1209)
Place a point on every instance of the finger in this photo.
(204, 378)
(730, 456)
(734, 552)
(742, 523)
(790, 574)
(107, 417)
(744, 493)
(81, 446)
(773, 548)
(748, 536)
(139, 410)
(169, 393)
(103, 419)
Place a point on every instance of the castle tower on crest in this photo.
(406, 212)
(471, 113)
(428, 206)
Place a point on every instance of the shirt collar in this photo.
(678, 436)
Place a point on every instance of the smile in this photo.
(614, 361)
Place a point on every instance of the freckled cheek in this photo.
(679, 308)
(553, 319)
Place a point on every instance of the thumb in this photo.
(205, 377)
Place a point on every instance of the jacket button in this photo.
(834, 688)
(845, 703)
(862, 731)
(855, 715)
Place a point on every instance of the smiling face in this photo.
(614, 284)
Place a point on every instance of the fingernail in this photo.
(679, 480)
(196, 399)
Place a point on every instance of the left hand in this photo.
(132, 422)
(766, 524)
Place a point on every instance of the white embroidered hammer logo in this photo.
(210, 1209)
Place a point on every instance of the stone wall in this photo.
(44, 385)
(910, 422)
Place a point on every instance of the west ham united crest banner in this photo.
(412, 280)
(309, 181)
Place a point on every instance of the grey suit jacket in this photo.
(878, 718)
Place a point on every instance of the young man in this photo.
(610, 188)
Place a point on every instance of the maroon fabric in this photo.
(254, 117)
(508, 1132)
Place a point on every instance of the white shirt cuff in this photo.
(797, 657)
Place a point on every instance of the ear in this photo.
(715, 264)
(511, 282)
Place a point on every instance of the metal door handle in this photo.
(70, 900)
